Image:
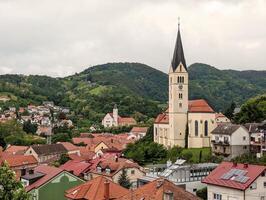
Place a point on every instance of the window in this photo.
(253, 186)
(244, 138)
(180, 95)
(196, 128)
(217, 196)
(264, 184)
(180, 105)
(182, 79)
(206, 128)
(133, 171)
(178, 79)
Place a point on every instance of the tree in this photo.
(202, 193)
(230, 111)
(10, 188)
(186, 136)
(29, 127)
(63, 159)
(200, 156)
(124, 180)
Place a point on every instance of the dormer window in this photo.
(107, 170)
(99, 169)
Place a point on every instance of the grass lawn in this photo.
(206, 153)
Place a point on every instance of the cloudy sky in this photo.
(61, 37)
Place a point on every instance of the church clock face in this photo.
(180, 87)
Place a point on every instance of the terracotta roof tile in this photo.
(19, 160)
(139, 129)
(13, 149)
(94, 190)
(155, 191)
(77, 167)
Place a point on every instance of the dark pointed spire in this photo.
(178, 53)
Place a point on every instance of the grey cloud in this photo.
(65, 36)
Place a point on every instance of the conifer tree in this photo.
(124, 180)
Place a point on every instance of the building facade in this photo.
(185, 122)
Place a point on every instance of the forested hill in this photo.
(136, 88)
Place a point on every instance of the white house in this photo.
(230, 140)
(234, 181)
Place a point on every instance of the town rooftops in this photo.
(226, 129)
(48, 149)
(157, 190)
(236, 176)
(96, 189)
(69, 146)
(48, 172)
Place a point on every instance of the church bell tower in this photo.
(178, 95)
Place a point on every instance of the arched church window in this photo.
(178, 79)
(196, 128)
(182, 79)
(180, 95)
(206, 128)
(180, 105)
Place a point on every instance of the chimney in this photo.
(234, 164)
(106, 190)
(245, 165)
(116, 158)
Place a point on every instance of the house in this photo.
(47, 182)
(257, 133)
(139, 132)
(230, 140)
(44, 130)
(221, 118)
(79, 168)
(71, 148)
(113, 168)
(99, 188)
(20, 164)
(234, 181)
(16, 150)
(46, 153)
(159, 189)
(185, 122)
(114, 120)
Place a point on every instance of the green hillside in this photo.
(137, 89)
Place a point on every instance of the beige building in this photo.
(233, 181)
(192, 119)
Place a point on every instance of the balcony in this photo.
(222, 143)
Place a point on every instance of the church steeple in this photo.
(178, 56)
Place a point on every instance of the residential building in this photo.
(159, 189)
(113, 168)
(184, 118)
(257, 133)
(46, 153)
(230, 140)
(99, 188)
(234, 181)
(47, 182)
(139, 132)
(71, 148)
(221, 118)
(114, 120)
(20, 164)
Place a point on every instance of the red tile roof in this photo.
(77, 167)
(252, 172)
(19, 160)
(69, 146)
(194, 106)
(156, 189)
(13, 149)
(139, 129)
(94, 190)
(126, 120)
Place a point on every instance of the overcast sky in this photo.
(61, 37)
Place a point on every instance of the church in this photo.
(185, 122)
